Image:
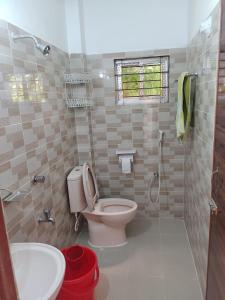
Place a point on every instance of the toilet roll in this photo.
(126, 164)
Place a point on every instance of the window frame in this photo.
(137, 61)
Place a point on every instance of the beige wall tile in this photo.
(125, 127)
(37, 136)
(199, 146)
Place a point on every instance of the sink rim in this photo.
(44, 248)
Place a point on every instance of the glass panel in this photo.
(152, 84)
(131, 93)
(153, 68)
(153, 92)
(132, 85)
(156, 76)
(130, 70)
(128, 78)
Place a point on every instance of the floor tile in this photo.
(112, 286)
(175, 244)
(156, 264)
(182, 290)
(172, 226)
(147, 288)
(140, 227)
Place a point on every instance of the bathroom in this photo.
(74, 92)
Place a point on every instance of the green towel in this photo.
(188, 104)
(180, 118)
(185, 104)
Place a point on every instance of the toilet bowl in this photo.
(107, 217)
(108, 220)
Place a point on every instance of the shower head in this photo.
(45, 49)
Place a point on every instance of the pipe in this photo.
(45, 49)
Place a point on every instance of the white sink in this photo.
(39, 270)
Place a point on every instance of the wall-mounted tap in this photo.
(38, 179)
(46, 217)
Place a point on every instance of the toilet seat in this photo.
(90, 186)
(105, 206)
(114, 206)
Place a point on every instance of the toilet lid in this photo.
(90, 186)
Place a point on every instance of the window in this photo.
(141, 80)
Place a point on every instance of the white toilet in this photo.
(108, 217)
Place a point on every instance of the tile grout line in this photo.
(189, 245)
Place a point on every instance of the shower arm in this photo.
(44, 48)
(18, 37)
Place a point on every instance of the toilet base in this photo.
(112, 246)
(101, 235)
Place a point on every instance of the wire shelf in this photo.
(77, 78)
(79, 102)
(78, 88)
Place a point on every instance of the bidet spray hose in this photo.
(156, 175)
(77, 222)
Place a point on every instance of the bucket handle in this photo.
(96, 276)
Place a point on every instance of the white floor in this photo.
(156, 264)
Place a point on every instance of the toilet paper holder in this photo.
(126, 152)
(126, 157)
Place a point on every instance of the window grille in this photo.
(142, 79)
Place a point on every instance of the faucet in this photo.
(38, 179)
(47, 217)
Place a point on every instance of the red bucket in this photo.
(74, 256)
(79, 293)
(79, 283)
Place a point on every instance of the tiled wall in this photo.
(132, 127)
(40, 136)
(83, 117)
(202, 57)
(37, 137)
